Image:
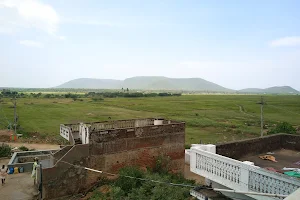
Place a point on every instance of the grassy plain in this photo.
(209, 118)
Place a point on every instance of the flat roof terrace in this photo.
(285, 148)
(119, 124)
(284, 157)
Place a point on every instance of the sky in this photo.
(236, 44)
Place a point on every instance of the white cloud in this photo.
(286, 41)
(92, 22)
(28, 13)
(31, 43)
(61, 37)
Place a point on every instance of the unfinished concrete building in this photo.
(109, 146)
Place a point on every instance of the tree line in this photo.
(14, 94)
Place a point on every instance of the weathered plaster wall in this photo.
(138, 146)
(64, 179)
(111, 150)
(24, 159)
(291, 142)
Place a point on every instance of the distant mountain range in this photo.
(271, 90)
(164, 83)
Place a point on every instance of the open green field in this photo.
(209, 118)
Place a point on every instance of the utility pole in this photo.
(15, 114)
(261, 116)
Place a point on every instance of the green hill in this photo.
(271, 90)
(165, 83)
(147, 83)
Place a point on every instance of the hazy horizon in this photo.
(235, 44)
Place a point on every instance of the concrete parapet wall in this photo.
(24, 159)
(59, 154)
(291, 142)
(64, 179)
(238, 149)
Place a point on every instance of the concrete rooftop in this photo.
(284, 158)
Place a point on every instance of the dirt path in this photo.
(18, 187)
(243, 111)
(34, 146)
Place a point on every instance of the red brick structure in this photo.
(138, 143)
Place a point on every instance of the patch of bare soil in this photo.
(18, 187)
(34, 146)
(5, 135)
(192, 176)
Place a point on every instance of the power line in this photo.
(196, 188)
(132, 177)
(15, 114)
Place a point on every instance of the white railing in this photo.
(237, 175)
(65, 131)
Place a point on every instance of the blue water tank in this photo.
(11, 170)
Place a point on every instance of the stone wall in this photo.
(254, 146)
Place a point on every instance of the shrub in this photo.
(126, 184)
(97, 195)
(126, 188)
(23, 148)
(283, 127)
(162, 164)
(117, 193)
(5, 150)
(24, 133)
(97, 99)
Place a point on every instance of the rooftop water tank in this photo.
(158, 121)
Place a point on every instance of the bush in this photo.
(25, 134)
(5, 150)
(126, 188)
(162, 164)
(97, 99)
(126, 184)
(23, 148)
(283, 127)
(97, 195)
